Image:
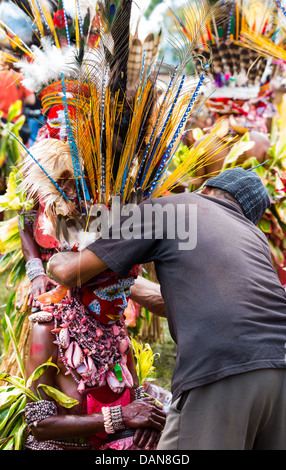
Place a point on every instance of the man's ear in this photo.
(205, 190)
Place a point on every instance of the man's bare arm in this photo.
(29, 100)
(73, 269)
(148, 294)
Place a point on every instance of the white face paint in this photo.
(56, 124)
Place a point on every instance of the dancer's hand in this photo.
(39, 285)
(144, 413)
(146, 438)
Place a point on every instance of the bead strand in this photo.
(117, 417)
(107, 420)
(113, 419)
(39, 410)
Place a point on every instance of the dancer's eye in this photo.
(54, 123)
(113, 292)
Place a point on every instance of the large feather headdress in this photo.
(121, 136)
(63, 32)
(239, 72)
(269, 46)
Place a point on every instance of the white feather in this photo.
(81, 238)
(50, 62)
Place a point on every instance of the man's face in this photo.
(108, 303)
(56, 122)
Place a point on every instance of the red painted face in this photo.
(109, 302)
(56, 122)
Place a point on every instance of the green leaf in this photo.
(40, 370)
(17, 273)
(9, 311)
(148, 316)
(21, 219)
(16, 420)
(3, 150)
(8, 259)
(4, 442)
(18, 124)
(19, 437)
(10, 239)
(14, 110)
(8, 446)
(265, 225)
(15, 346)
(7, 398)
(19, 383)
(11, 411)
(6, 388)
(236, 151)
(16, 381)
(4, 413)
(59, 397)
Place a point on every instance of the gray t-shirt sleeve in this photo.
(129, 242)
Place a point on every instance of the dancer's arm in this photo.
(41, 283)
(143, 413)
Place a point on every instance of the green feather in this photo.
(109, 10)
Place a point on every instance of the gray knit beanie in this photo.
(247, 188)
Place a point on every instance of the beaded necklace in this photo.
(101, 343)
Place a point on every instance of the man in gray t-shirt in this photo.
(225, 306)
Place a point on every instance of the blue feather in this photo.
(153, 133)
(167, 120)
(167, 156)
(73, 148)
(66, 25)
(79, 18)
